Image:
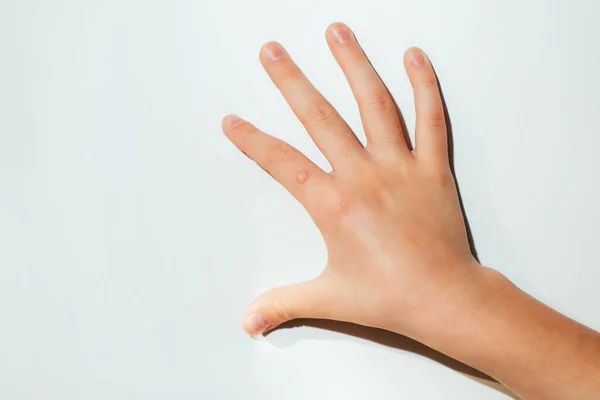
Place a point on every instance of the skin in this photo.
(398, 255)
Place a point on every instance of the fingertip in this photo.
(255, 325)
(265, 45)
(229, 121)
(339, 32)
(332, 26)
(414, 56)
(272, 51)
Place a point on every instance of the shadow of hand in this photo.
(388, 339)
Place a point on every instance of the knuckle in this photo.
(429, 82)
(375, 183)
(278, 154)
(379, 102)
(290, 71)
(245, 134)
(335, 203)
(369, 187)
(377, 189)
(281, 310)
(321, 112)
(435, 118)
(342, 205)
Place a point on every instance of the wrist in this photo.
(455, 312)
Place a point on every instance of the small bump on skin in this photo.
(302, 177)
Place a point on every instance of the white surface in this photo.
(132, 234)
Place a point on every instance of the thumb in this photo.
(308, 299)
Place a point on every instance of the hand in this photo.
(398, 255)
(390, 217)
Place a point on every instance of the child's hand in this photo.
(399, 258)
(390, 216)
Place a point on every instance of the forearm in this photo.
(535, 351)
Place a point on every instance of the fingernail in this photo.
(232, 119)
(255, 325)
(417, 57)
(274, 51)
(341, 33)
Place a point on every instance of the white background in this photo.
(133, 234)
